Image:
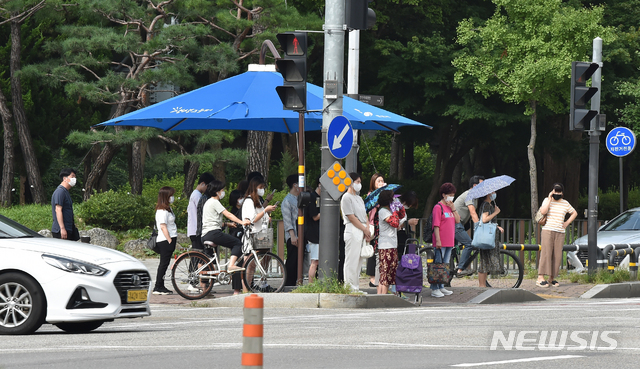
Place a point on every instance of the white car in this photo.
(75, 286)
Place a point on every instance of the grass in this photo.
(325, 285)
(601, 277)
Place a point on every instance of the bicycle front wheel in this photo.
(510, 274)
(266, 274)
(192, 275)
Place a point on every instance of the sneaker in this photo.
(464, 273)
(162, 291)
(193, 289)
(436, 293)
(446, 292)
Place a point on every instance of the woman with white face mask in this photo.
(445, 217)
(213, 215)
(252, 209)
(167, 236)
(354, 216)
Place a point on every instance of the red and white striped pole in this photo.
(252, 332)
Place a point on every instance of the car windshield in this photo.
(629, 221)
(11, 229)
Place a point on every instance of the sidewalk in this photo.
(461, 294)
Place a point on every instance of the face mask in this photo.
(221, 195)
(449, 198)
(493, 196)
(557, 196)
(260, 191)
(357, 187)
(72, 181)
(241, 201)
(171, 199)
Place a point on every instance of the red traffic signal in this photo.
(293, 68)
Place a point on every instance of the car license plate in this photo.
(136, 295)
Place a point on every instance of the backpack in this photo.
(428, 233)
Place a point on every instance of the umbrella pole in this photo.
(301, 184)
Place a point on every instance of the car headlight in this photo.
(74, 266)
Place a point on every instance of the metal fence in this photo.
(516, 230)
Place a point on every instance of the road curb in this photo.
(315, 300)
(505, 296)
(623, 290)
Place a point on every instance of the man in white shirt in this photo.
(192, 216)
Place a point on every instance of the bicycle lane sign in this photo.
(621, 141)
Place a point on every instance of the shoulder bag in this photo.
(151, 242)
(484, 235)
(540, 218)
(438, 273)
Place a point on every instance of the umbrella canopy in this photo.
(488, 186)
(371, 200)
(249, 101)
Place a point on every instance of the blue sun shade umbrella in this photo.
(250, 102)
(371, 200)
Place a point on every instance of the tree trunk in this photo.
(192, 171)
(7, 165)
(259, 150)
(533, 171)
(290, 144)
(393, 157)
(400, 160)
(136, 171)
(99, 168)
(23, 189)
(443, 152)
(24, 135)
(409, 161)
(218, 167)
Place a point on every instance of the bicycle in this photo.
(194, 273)
(510, 275)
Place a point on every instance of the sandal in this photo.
(555, 284)
(543, 284)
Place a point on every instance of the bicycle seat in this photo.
(209, 243)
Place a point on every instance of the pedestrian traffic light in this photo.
(358, 15)
(294, 70)
(579, 116)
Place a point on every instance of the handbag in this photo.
(438, 273)
(540, 218)
(367, 250)
(151, 242)
(484, 235)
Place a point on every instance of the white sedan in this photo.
(73, 285)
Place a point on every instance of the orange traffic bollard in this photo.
(252, 332)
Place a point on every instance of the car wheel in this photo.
(80, 327)
(22, 304)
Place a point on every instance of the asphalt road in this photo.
(427, 337)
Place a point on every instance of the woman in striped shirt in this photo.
(555, 208)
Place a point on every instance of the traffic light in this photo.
(358, 15)
(579, 116)
(294, 70)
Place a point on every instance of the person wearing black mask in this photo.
(555, 208)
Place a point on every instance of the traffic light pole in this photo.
(594, 154)
(353, 70)
(301, 184)
(334, 29)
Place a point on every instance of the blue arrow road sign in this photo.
(621, 141)
(340, 137)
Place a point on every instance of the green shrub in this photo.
(116, 210)
(325, 285)
(33, 216)
(602, 276)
